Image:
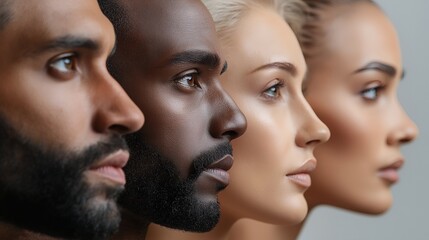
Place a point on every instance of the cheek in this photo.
(258, 186)
(51, 115)
(348, 162)
(178, 128)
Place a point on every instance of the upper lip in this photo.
(307, 167)
(394, 165)
(117, 159)
(224, 163)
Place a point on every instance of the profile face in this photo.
(274, 156)
(352, 87)
(169, 62)
(61, 117)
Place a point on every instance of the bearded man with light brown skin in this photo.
(168, 61)
(62, 116)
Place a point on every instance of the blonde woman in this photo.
(354, 62)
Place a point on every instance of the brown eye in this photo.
(64, 66)
(189, 80)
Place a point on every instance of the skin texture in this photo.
(187, 113)
(360, 106)
(59, 111)
(282, 128)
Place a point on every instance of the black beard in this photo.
(156, 193)
(45, 190)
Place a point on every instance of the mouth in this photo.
(390, 172)
(218, 169)
(111, 166)
(301, 176)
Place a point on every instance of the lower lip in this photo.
(114, 174)
(302, 179)
(219, 175)
(390, 175)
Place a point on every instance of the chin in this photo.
(376, 205)
(294, 212)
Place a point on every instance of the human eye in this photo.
(273, 91)
(188, 79)
(63, 66)
(372, 92)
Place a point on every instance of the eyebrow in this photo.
(285, 66)
(68, 42)
(208, 59)
(382, 67)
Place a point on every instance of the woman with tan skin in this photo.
(354, 62)
(274, 156)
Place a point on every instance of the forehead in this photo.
(163, 28)
(36, 21)
(262, 36)
(360, 33)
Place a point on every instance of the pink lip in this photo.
(218, 170)
(111, 166)
(301, 176)
(390, 172)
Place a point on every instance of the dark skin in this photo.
(169, 63)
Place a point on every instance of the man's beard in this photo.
(156, 193)
(44, 189)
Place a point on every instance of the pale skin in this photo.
(282, 129)
(368, 125)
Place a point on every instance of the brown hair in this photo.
(312, 29)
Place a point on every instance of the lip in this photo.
(111, 166)
(301, 176)
(390, 173)
(218, 169)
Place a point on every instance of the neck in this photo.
(132, 227)
(254, 230)
(8, 231)
(220, 232)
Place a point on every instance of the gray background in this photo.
(409, 217)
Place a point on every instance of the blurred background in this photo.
(408, 218)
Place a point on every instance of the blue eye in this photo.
(371, 93)
(189, 80)
(273, 92)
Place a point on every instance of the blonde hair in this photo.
(227, 13)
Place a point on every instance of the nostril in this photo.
(407, 139)
(231, 134)
(120, 129)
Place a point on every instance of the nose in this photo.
(403, 129)
(115, 112)
(227, 121)
(312, 131)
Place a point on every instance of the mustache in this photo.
(102, 149)
(205, 159)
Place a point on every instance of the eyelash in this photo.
(182, 80)
(67, 68)
(275, 88)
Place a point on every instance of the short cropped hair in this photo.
(5, 13)
(115, 12)
(227, 13)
